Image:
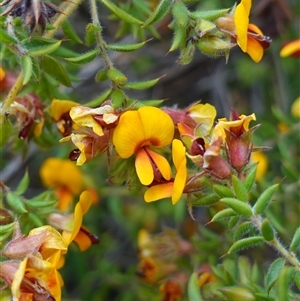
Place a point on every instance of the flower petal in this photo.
(158, 126)
(129, 134)
(179, 182)
(158, 192)
(60, 107)
(83, 241)
(178, 153)
(290, 48)
(254, 49)
(162, 164)
(144, 168)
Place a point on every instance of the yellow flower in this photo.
(60, 112)
(71, 224)
(262, 164)
(295, 109)
(65, 177)
(291, 49)
(2, 74)
(174, 187)
(87, 117)
(249, 37)
(139, 132)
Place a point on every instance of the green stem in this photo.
(99, 38)
(12, 94)
(275, 243)
(67, 8)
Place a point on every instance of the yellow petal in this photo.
(295, 109)
(178, 152)
(83, 241)
(85, 201)
(18, 278)
(60, 107)
(179, 182)
(241, 20)
(262, 166)
(158, 192)
(255, 50)
(129, 134)
(162, 164)
(144, 167)
(255, 29)
(290, 48)
(158, 126)
(2, 73)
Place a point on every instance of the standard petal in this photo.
(144, 167)
(158, 192)
(241, 20)
(129, 134)
(158, 126)
(162, 164)
(60, 107)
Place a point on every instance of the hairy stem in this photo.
(276, 244)
(99, 38)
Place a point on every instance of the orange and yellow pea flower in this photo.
(140, 133)
(249, 37)
(174, 187)
(291, 48)
(65, 177)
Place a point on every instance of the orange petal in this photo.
(162, 163)
(290, 48)
(2, 73)
(158, 192)
(83, 241)
(158, 126)
(129, 134)
(255, 50)
(60, 107)
(144, 167)
(85, 201)
(255, 29)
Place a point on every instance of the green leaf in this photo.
(16, 202)
(210, 15)
(6, 230)
(223, 191)
(264, 199)
(239, 189)
(295, 244)
(99, 99)
(141, 85)
(160, 11)
(179, 37)
(6, 38)
(206, 200)
(267, 230)
(101, 75)
(233, 222)
(123, 15)
(35, 219)
(193, 290)
(141, 103)
(63, 52)
(27, 68)
(36, 71)
(242, 230)
(116, 76)
(90, 34)
(250, 178)
(52, 67)
(245, 243)
(84, 58)
(40, 46)
(283, 283)
(125, 47)
(23, 185)
(223, 214)
(238, 206)
(117, 98)
(234, 293)
(69, 31)
(180, 14)
(6, 129)
(273, 272)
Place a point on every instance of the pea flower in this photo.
(65, 177)
(71, 224)
(142, 133)
(295, 108)
(291, 48)
(262, 164)
(174, 187)
(248, 36)
(60, 112)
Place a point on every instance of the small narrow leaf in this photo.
(223, 214)
(6, 38)
(27, 68)
(6, 230)
(223, 191)
(250, 178)
(70, 32)
(90, 34)
(193, 290)
(101, 75)
(40, 46)
(273, 272)
(23, 185)
(267, 230)
(264, 199)
(52, 67)
(238, 206)
(283, 283)
(239, 189)
(206, 200)
(233, 222)
(125, 47)
(295, 244)
(160, 11)
(179, 37)
(123, 15)
(245, 243)
(210, 15)
(242, 230)
(84, 58)
(141, 85)
(116, 76)
(117, 98)
(99, 100)
(141, 103)
(180, 13)
(16, 202)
